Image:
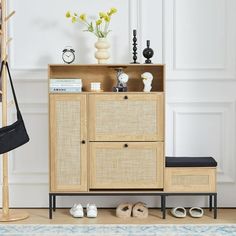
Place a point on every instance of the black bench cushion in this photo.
(190, 162)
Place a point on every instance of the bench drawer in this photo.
(190, 179)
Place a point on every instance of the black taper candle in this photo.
(135, 47)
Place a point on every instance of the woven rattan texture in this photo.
(68, 142)
(126, 117)
(186, 180)
(126, 165)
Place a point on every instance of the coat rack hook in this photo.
(8, 41)
(9, 16)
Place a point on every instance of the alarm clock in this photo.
(68, 55)
(123, 78)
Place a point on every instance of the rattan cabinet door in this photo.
(126, 117)
(134, 165)
(68, 146)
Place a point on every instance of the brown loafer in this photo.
(140, 210)
(124, 210)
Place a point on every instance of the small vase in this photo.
(102, 54)
(148, 53)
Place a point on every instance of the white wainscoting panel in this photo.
(29, 163)
(207, 52)
(199, 38)
(204, 129)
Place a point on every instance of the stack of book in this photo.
(65, 85)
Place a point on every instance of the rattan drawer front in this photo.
(126, 117)
(190, 179)
(126, 165)
(68, 154)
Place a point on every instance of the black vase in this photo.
(148, 53)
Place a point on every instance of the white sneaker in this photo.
(92, 211)
(77, 211)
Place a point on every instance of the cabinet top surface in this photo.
(105, 65)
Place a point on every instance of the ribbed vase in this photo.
(102, 54)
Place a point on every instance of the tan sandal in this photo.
(124, 210)
(140, 210)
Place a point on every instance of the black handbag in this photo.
(14, 135)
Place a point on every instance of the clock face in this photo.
(123, 78)
(68, 56)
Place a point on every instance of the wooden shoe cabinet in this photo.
(110, 143)
(107, 140)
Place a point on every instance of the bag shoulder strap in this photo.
(12, 87)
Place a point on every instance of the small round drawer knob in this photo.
(126, 97)
(126, 145)
(83, 142)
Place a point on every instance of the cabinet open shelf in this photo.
(106, 75)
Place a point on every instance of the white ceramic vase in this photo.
(102, 54)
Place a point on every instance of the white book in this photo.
(66, 90)
(67, 81)
(64, 85)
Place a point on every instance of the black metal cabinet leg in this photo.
(54, 202)
(215, 205)
(161, 203)
(210, 203)
(50, 206)
(164, 207)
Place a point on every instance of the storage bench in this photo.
(191, 176)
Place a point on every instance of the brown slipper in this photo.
(124, 210)
(140, 210)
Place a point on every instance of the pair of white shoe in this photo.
(180, 212)
(78, 212)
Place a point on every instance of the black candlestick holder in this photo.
(135, 47)
(148, 53)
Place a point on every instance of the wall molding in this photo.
(226, 72)
(29, 176)
(207, 68)
(225, 110)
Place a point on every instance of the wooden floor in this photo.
(107, 216)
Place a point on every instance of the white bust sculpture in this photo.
(147, 81)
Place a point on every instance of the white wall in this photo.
(195, 38)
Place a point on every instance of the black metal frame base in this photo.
(163, 195)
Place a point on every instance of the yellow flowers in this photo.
(107, 18)
(102, 14)
(73, 17)
(82, 17)
(68, 15)
(99, 22)
(112, 11)
(99, 27)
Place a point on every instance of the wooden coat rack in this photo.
(6, 214)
